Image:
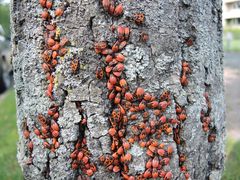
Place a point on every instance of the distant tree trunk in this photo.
(174, 54)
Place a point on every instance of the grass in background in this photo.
(232, 164)
(234, 31)
(5, 18)
(235, 44)
(9, 168)
(234, 47)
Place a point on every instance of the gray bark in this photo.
(155, 66)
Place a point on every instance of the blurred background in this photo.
(9, 168)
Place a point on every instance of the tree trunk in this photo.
(174, 54)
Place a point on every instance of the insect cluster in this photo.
(81, 156)
(26, 135)
(136, 117)
(205, 116)
(54, 48)
(142, 108)
(49, 129)
(206, 119)
(113, 10)
(181, 117)
(185, 71)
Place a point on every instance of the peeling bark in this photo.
(178, 30)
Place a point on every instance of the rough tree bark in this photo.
(178, 30)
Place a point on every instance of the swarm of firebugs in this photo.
(127, 105)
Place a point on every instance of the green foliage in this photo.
(232, 165)
(5, 18)
(9, 169)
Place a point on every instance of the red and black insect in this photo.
(99, 72)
